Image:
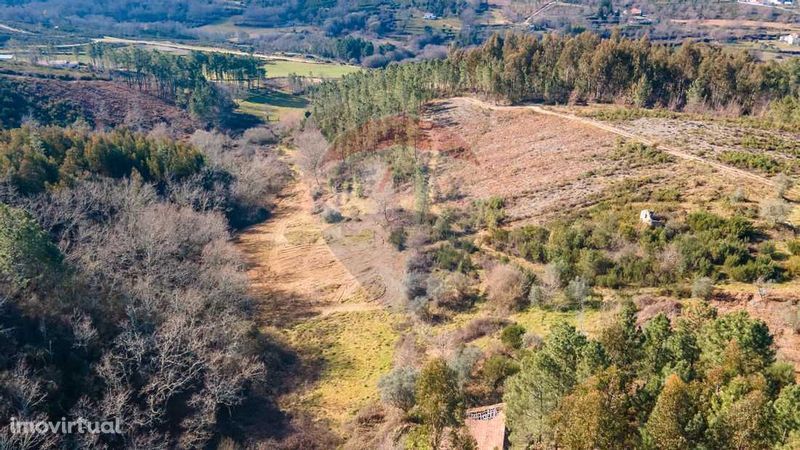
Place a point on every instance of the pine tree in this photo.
(26, 252)
(439, 399)
(670, 422)
(623, 339)
(545, 377)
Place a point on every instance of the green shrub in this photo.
(640, 153)
(331, 215)
(452, 259)
(397, 387)
(442, 226)
(793, 266)
(402, 166)
(489, 213)
(397, 237)
(511, 336)
(745, 160)
(794, 246)
(760, 268)
(528, 242)
(26, 252)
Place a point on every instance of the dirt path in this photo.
(294, 273)
(13, 30)
(737, 173)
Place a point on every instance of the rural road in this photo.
(13, 30)
(733, 171)
(200, 48)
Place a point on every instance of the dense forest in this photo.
(122, 295)
(553, 68)
(701, 381)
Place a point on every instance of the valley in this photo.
(400, 225)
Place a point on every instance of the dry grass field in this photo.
(546, 166)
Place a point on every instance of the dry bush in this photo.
(702, 288)
(793, 319)
(477, 328)
(243, 177)
(650, 307)
(409, 351)
(774, 210)
(212, 144)
(304, 433)
(506, 287)
(260, 136)
(311, 151)
(451, 291)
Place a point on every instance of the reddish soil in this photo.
(539, 164)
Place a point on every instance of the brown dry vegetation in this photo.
(111, 103)
(545, 166)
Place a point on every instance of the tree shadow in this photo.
(277, 98)
(238, 122)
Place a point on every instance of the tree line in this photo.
(558, 69)
(191, 81)
(34, 159)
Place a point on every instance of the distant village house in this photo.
(791, 39)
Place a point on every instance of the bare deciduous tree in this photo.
(311, 150)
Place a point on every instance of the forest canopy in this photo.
(558, 69)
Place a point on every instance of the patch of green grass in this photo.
(270, 105)
(620, 114)
(278, 99)
(770, 143)
(353, 351)
(283, 68)
(540, 321)
(637, 153)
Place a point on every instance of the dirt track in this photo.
(201, 48)
(738, 173)
(292, 267)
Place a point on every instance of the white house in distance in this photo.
(429, 16)
(791, 39)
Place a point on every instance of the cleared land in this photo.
(335, 291)
(548, 164)
(322, 287)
